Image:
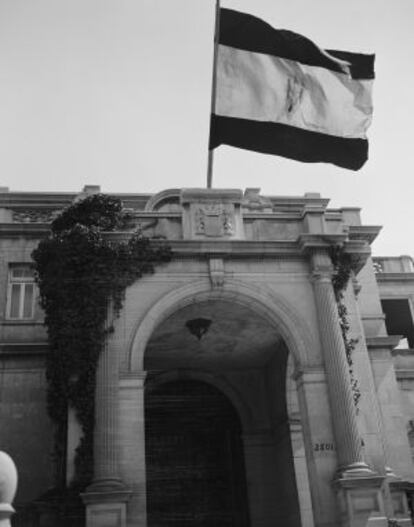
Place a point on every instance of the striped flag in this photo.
(276, 92)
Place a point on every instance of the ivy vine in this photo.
(342, 265)
(80, 273)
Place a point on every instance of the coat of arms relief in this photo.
(214, 220)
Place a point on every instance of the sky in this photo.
(117, 93)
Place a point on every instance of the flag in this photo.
(276, 92)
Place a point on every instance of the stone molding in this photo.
(33, 215)
(366, 233)
(394, 277)
(155, 199)
(386, 342)
(113, 496)
(216, 269)
(23, 349)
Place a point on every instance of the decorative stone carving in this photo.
(216, 268)
(212, 213)
(34, 216)
(253, 201)
(214, 220)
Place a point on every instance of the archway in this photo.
(194, 457)
(237, 352)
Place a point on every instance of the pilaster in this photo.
(264, 450)
(132, 444)
(106, 497)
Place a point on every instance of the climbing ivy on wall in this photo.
(80, 273)
(342, 273)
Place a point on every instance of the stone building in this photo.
(224, 394)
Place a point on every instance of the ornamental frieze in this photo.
(34, 216)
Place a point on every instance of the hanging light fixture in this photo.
(198, 326)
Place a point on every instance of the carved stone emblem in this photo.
(214, 220)
(34, 216)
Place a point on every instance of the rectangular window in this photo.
(398, 318)
(21, 292)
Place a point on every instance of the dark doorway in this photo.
(194, 457)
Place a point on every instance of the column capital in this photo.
(322, 273)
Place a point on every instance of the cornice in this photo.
(367, 233)
(234, 248)
(392, 277)
(155, 214)
(286, 216)
(403, 352)
(194, 195)
(385, 342)
(297, 202)
(36, 199)
(404, 374)
(60, 199)
(28, 230)
(310, 242)
(23, 349)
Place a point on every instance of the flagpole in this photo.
(213, 90)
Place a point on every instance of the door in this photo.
(194, 458)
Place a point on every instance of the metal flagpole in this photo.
(213, 90)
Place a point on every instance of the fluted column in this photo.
(106, 497)
(348, 440)
(106, 470)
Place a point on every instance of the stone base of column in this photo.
(398, 493)
(361, 501)
(355, 470)
(106, 507)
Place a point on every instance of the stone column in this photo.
(359, 488)
(348, 440)
(106, 497)
(132, 451)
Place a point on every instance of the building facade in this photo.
(224, 394)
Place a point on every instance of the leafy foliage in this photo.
(342, 273)
(81, 275)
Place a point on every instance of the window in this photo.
(398, 318)
(21, 292)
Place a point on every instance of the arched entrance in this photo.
(194, 457)
(237, 353)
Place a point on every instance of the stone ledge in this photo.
(20, 349)
(389, 277)
(404, 374)
(385, 342)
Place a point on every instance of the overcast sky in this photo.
(117, 93)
